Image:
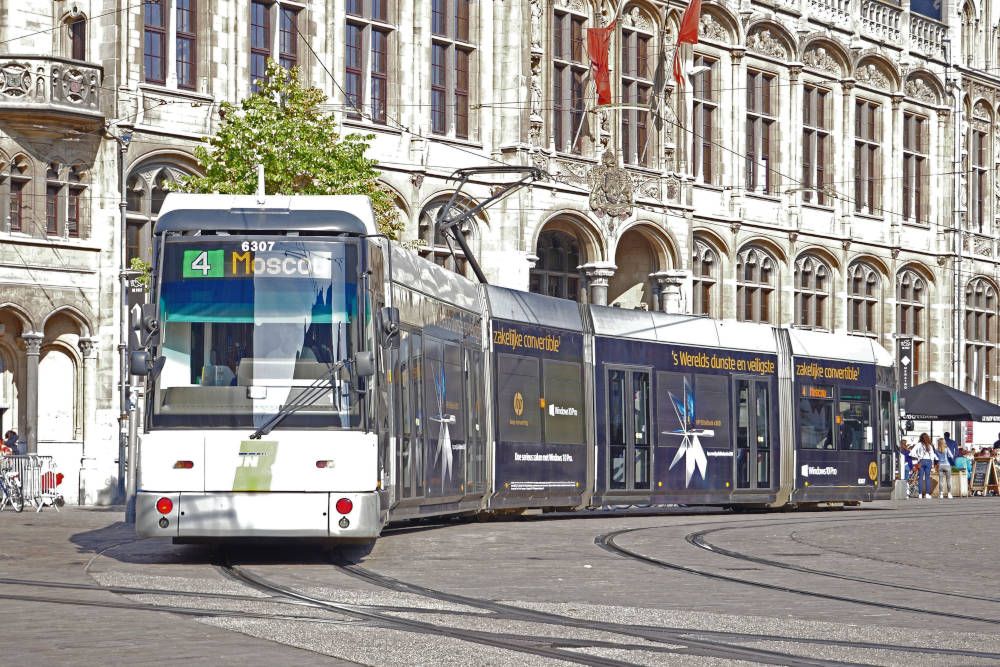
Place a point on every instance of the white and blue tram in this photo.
(307, 378)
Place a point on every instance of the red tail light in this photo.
(183, 465)
(344, 506)
(164, 505)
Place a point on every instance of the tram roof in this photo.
(682, 329)
(530, 308)
(333, 214)
(824, 345)
(424, 276)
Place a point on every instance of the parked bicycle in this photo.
(10, 488)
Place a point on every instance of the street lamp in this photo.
(121, 132)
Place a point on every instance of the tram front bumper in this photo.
(257, 515)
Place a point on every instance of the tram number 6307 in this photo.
(257, 246)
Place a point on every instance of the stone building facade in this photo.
(830, 164)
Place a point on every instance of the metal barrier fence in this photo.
(39, 479)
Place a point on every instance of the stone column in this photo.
(671, 286)
(597, 274)
(88, 464)
(33, 344)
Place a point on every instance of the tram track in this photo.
(705, 638)
(607, 542)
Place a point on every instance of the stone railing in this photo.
(56, 83)
(837, 12)
(927, 36)
(881, 21)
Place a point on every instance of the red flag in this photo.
(598, 49)
(688, 34)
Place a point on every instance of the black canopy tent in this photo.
(933, 401)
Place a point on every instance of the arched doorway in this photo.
(555, 273)
(631, 286)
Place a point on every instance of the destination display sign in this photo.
(207, 263)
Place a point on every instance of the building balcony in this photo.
(38, 91)
(889, 22)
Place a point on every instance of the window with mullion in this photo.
(862, 299)
(16, 205)
(53, 192)
(73, 209)
(636, 91)
(978, 183)
(186, 17)
(451, 62)
(367, 60)
(761, 123)
(910, 306)
(260, 41)
(816, 140)
(704, 108)
(288, 37)
(914, 167)
(811, 293)
(754, 286)
(154, 58)
(867, 152)
(569, 77)
(704, 267)
(981, 337)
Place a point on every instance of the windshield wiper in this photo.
(307, 397)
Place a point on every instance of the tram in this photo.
(307, 378)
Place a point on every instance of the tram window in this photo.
(564, 411)
(888, 440)
(616, 427)
(816, 418)
(854, 419)
(517, 399)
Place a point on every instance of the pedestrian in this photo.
(945, 459)
(10, 441)
(952, 445)
(924, 457)
(964, 462)
(905, 448)
(996, 443)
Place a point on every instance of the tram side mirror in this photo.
(389, 317)
(364, 364)
(139, 362)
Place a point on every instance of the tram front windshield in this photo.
(253, 327)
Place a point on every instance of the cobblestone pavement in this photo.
(911, 583)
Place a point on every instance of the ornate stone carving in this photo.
(16, 80)
(86, 346)
(611, 190)
(417, 179)
(567, 171)
(712, 29)
(575, 5)
(75, 87)
(819, 58)
(636, 18)
(32, 343)
(673, 187)
(871, 75)
(762, 41)
(647, 187)
(981, 111)
(536, 89)
(536, 25)
(918, 90)
(978, 90)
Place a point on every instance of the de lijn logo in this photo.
(690, 449)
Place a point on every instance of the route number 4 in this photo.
(204, 264)
(200, 263)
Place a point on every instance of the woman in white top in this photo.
(924, 456)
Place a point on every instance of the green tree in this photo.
(282, 127)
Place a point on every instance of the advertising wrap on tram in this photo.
(540, 411)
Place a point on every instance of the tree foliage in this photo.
(283, 127)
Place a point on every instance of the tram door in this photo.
(753, 434)
(887, 441)
(409, 426)
(629, 452)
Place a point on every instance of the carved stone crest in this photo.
(610, 188)
(16, 80)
